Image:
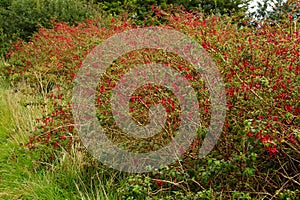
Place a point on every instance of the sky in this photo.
(254, 3)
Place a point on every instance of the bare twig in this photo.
(291, 178)
(282, 187)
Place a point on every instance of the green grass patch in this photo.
(22, 177)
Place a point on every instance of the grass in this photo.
(73, 177)
(16, 122)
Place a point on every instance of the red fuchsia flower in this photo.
(56, 144)
(206, 109)
(163, 102)
(9, 54)
(272, 150)
(63, 137)
(153, 6)
(190, 115)
(189, 77)
(72, 75)
(159, 183)
(181, 149)
(292, 138)
(288, 108)
(205, 46)
(99, 101)
(265, 139)
(231, 92)
(229, 106)
(260, 117)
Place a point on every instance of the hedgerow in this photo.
(258, 152)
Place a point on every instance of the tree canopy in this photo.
(220, 7)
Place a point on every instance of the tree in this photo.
(276, 10)
(206, 6)
(221, 7)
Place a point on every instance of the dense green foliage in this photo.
(221, 7)
(142, 8)
(21, 18)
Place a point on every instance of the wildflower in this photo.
(159, 183)
(152, 7)
(272, 150)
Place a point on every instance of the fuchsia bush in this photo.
(261, 70)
